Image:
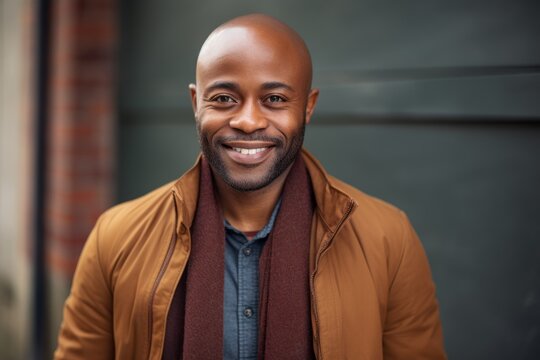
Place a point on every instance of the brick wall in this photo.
(81, 122)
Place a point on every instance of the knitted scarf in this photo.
(195, 319)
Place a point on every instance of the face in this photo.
(251, 103)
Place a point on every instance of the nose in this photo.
(250, 118)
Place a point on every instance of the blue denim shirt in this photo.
(241, 290)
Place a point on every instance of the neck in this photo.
(249, 210)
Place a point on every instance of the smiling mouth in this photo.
(248, 153)
(245, 151)
(246, 147)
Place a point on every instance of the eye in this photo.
(223, 99)
(275, 99)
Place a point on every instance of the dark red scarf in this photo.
(195, 320)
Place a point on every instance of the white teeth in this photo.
(248, 151)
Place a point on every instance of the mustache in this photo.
(277, 141)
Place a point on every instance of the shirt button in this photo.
(247, 251)
(248, 312)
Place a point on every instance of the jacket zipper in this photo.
(322, 250)
(162, 269)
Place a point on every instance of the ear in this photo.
(311, 102)
(193, 94)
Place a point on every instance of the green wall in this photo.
(433, 106)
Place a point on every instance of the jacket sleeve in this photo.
(86, 331)
(412, 327)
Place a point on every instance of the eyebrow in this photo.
(229, 85)
(225, 85)
(276, 85)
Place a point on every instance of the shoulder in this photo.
(146, 224)
(369, 205)
(129, 213)
(384, 236)
(372, 217)
(373, 214)
(128, 226)
(382, 230)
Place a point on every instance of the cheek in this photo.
(290, 125)
(209, 124)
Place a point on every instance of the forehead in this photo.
(250, 55)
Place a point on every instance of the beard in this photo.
(285, 154)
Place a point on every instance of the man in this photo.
(255, 252)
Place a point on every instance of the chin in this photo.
(246, 184)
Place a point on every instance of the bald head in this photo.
(252, 101)
(244, 35)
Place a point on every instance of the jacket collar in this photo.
(186, 193)
(333, 202)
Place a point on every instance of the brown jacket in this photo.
(372, 296)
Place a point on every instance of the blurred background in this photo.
(431, 105)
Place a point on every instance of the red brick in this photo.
(81, 139)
